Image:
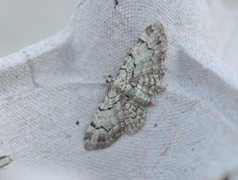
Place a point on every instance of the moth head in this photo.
(110, 79)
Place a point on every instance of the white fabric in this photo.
(46, 88)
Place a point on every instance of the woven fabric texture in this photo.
(50, 91)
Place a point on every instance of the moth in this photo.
(123, 109)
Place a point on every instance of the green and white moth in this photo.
(140, 77)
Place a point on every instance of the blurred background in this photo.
(26, 22)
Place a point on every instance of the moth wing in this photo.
(143, 66)
(106, 127)
(134, 116)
